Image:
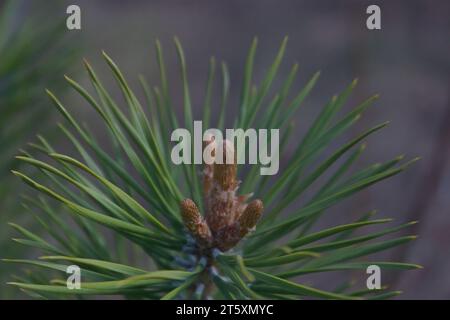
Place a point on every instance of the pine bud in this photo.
(229, 236)
(195, 223)
(225, 173)
(250, 216)
(208, 167)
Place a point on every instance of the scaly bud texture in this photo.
(195, 223)
(228, 216)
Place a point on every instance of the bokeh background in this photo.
(407, 62)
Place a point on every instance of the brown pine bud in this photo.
(248, 219)
(221, 205)
(225, 173)
(229, 236)
(195, 223)
(208, 167)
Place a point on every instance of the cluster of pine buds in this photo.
(228, 217)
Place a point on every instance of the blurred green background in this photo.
(34, 52)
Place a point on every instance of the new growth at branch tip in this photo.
(228, 218)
